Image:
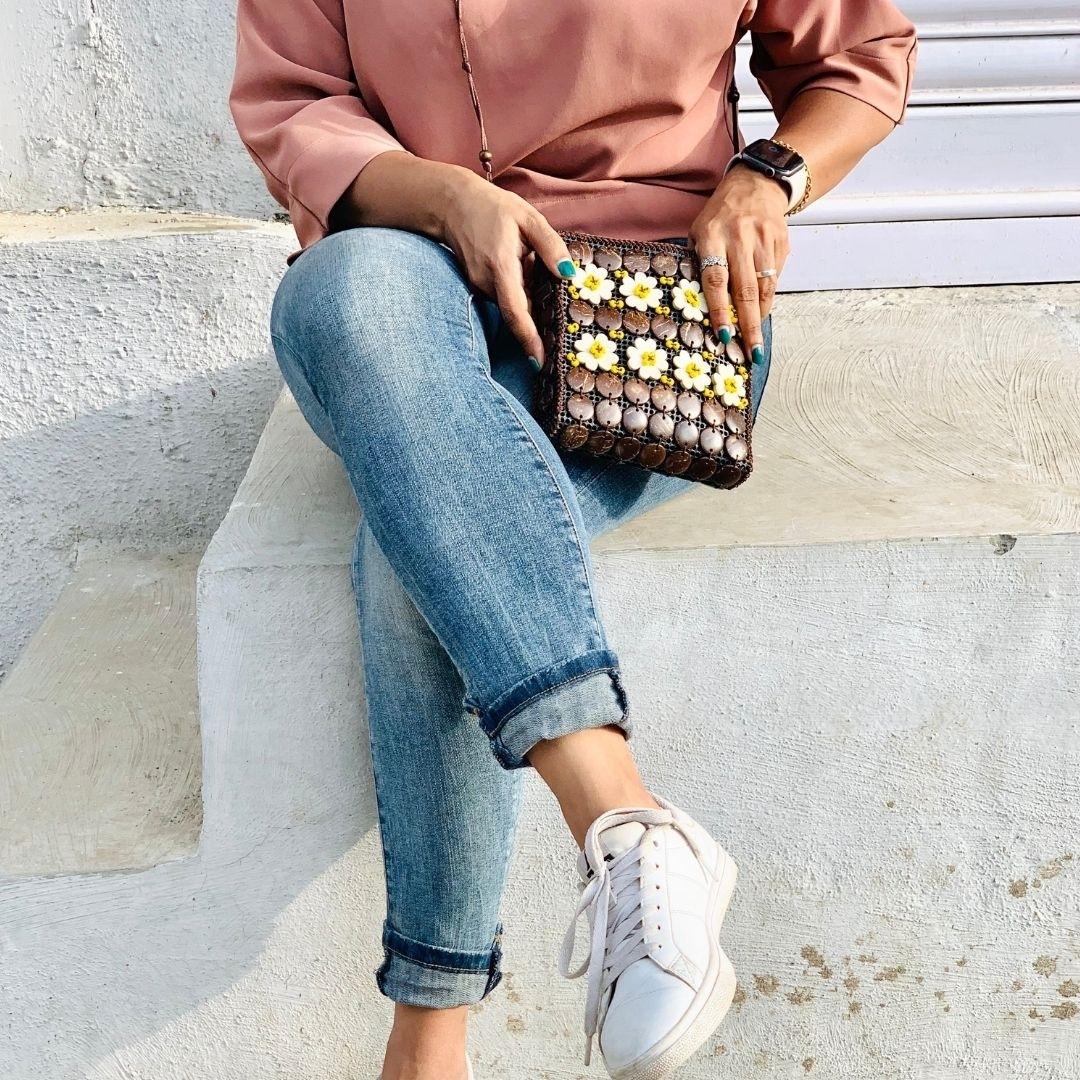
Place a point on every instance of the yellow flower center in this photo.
(642, 290)
(648, 358)
(592, 281)
(694, 369)
(731, 385)
(692, 298)
(597, 349)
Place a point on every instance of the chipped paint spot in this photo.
(1069, 989)
(951, 868)
(515, 1025)
(720, 1050)
(890, 974)
(962, 962)
(1003, 543)
(1017, 984)
(1045, 965)
(851, 984)
(854, 1007)
(1065, 1011)
(766, 985)
(801, 995)
(1054, 866)
(867, 958)
(740, 996)
(808, 1064)
(812, 956)
(1018, 888)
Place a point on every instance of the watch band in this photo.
(798, 186)
(801, 184)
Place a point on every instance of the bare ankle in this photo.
(426, 1044)
(590, 772)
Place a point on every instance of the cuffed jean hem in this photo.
(413, 973)
(584, 692)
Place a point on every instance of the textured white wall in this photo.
(109, 102)
(135, 377)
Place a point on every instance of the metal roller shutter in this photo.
(982, 182)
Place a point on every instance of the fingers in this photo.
(767, 285)
(547, 243)
(745, 290)
(715, 282)
(508, 288)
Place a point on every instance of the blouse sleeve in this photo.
(297, 107)
(866, 50)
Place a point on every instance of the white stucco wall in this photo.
(135, 377)
(109, 102)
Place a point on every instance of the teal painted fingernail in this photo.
(567, 268)
(535, 361)
(725, 334)
(758, 353)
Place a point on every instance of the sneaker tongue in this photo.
(614, 842)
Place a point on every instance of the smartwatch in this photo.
(783, 164)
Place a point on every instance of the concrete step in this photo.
(99, 737)
(879, 739)
(135, 376)
(887, 741)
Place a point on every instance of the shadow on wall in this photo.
(153, 473)
(105, 972)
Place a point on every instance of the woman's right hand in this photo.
(494, 233)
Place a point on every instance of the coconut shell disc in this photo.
(609, 318)
(665, 264)
(663, 326)
(581, 312)
(636, 262)
(607, 258)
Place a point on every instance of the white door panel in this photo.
(985, 17)
(1009, 156)
(972, 69)
(981, 184)
(885, 254)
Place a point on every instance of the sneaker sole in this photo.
(709, 1007)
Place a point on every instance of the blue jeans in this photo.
(473, 580)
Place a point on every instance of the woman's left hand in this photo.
(744, 223)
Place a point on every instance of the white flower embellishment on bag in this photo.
(595, 351)
(646, 358)
(689, 300)
(593, 283)
(730, 386)
(691, 370)
(641, 291)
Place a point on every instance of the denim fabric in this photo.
(478, 621)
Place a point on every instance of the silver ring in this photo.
(770, 272)
(713, 260)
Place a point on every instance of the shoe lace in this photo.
(612, 901)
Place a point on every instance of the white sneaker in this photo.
(656, 888)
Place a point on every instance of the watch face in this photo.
(774, 155)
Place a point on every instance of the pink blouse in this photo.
(609, 116)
